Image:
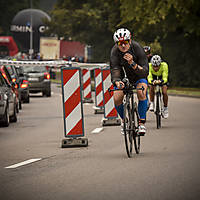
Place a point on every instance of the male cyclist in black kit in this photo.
(128, 57)
(147, 50)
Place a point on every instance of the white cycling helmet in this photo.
(121, 34)
(156, 60)
(147, 49)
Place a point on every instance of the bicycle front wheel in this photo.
(158, 111)
(128, 128)
(136, 137)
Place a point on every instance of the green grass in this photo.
(56, 81)
(174, 91)
(185, 91)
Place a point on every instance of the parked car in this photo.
(23, 84)
(8, 103)
(39, 79)
(14, 86)
(15, 79)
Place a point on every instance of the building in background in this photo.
(49, 48)
(52, 48)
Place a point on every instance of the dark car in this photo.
(8, 103)
(23, 84)
(15, 79)
(14, 86)
(39, 79)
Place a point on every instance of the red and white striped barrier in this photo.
(98, 87)
(110, 113)
(87, 91)
(72, 107)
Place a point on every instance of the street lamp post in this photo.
(31, 33)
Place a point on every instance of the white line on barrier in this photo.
(87, 104)
(97, 130)
(87, 90)
(73, 118)
(86, 76)
(71, 86)
(23, 163)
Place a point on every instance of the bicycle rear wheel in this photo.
(128, 127)
(136, 137)
(158, 111)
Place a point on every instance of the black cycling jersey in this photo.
(149, 58)
(119, 66)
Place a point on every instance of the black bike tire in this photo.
(136, 137)
(128, 132)
(158, 115)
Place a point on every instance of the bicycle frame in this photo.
(131, 120)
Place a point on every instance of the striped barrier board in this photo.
(98, 87)
(72, 107)
(87, 91)
(110, 113)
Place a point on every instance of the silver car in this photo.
(39, 79)
(8, 103)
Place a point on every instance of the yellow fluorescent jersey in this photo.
(162, 72)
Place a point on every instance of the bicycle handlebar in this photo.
(126, 89)
(158, 82)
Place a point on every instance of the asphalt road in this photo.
(167, 167)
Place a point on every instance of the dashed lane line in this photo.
(97, 130)
(26, 162)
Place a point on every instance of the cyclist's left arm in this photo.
(142, 67)
(165, 72)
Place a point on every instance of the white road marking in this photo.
(23, 163)
(97, 130)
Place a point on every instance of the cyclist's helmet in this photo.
(121, 34)
(147, 49)
(156, 60)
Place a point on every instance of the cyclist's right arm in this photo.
(116, 69)
(150, 76)
(119, 84)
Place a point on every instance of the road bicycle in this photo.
(131, 118)
(159, 103)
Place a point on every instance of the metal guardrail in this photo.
(52, 63)
(55, 63)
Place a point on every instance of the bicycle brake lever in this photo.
(121, 85)
(109, 90)
(142, 89)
